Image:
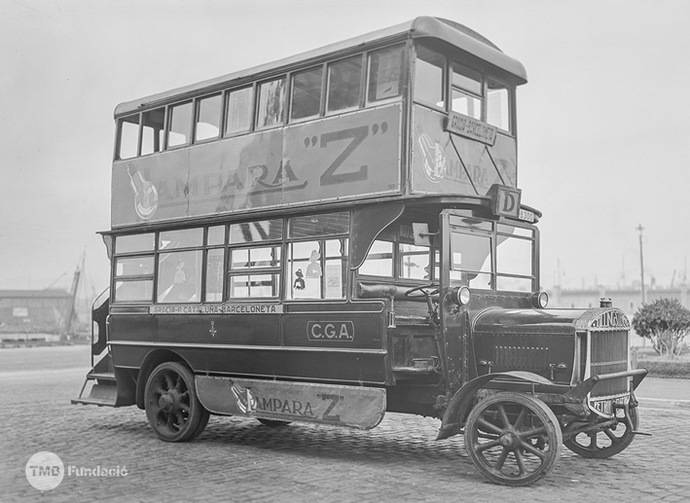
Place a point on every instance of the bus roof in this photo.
(443, 29)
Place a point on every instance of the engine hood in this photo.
(551, 321)
(543, 341)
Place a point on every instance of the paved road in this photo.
(240, 460)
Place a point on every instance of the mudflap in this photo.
(103, 387)
(461, 402)
(359, 407)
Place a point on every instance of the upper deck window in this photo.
(466, 92)
(179, 124)
(271, 103)
(497, 108)
(128, 137)
(385, 72)
(428, 83)
(344, 84)
(239, 111)
(208, 118)
(152, 131)
(306, 93)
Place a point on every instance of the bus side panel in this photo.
(348, 156)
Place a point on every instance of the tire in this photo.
(172, 406)
(513, 439)
(606, 442)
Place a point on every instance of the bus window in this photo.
(514, 263)
(179, 276)
(152, 131)
(252, 232)
(497, 106)
(208, 118)
(128, 137)
(216, 235)
(336, 249)
(415, 262)
(184, 238)
(316, 269)
(466, 92)
(318, 225)
(344, 84)
(133, 291)
(254, 272)
(179, 124)
(379, 261)
(306, 93)
(428, 80)
(215, 259)
(385, 72)
(271, 103)
(134, 266)
(471, 260)
(134, 243)
(239, 111)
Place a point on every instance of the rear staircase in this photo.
(100, 385)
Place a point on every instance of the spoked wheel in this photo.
(172, 407)
(272, 423)
(608, 441)
(512, 439)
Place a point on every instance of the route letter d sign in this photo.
(505, 201)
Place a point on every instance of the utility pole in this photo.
(640, 229)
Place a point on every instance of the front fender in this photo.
(461, 402)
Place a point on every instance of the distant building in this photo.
(626, 299)
(33, 314)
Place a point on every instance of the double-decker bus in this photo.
(340, 234)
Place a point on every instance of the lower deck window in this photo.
(316, 269)
(179, 276)
(254, 272)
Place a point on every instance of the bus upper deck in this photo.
(422, 108)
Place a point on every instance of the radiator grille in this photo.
(609, 354)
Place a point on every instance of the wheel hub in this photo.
(166, 402)
(509, 439)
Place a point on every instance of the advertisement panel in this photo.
(340, 157)
(447, 162)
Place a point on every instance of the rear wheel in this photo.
(172, 407)
(512, 439)
(609, 441)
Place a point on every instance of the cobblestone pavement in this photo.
(241, 460)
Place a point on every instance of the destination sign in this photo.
(471, 128)
(225, 308)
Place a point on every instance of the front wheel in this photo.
(172, 407)
(608, 441)
(512, 439)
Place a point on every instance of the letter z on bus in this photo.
(335, 331)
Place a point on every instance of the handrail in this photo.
(97, 301)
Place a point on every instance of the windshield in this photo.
(486, 255)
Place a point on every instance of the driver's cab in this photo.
(437, 268)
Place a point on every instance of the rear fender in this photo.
(461, 402)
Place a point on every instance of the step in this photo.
(101, 376)
(102, 394)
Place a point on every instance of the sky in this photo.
(603, 123)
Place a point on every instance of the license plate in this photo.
(604, 407)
